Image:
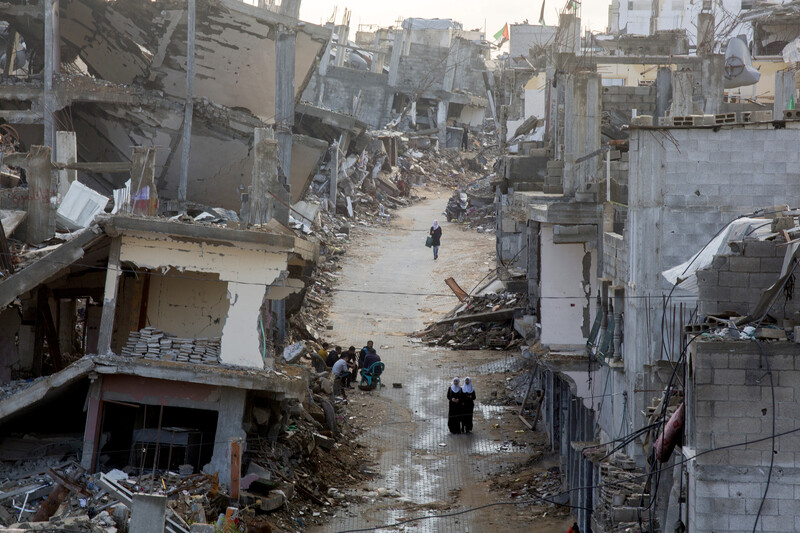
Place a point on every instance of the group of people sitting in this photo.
(461, 399)
(346, 364)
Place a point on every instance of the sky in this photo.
(473, 14)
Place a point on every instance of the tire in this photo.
(461, 217)
(330, 417)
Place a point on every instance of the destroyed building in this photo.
(126, 328)
(430, 73)
(628, 154)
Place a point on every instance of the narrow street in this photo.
(434, 472)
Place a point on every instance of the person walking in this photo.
(465, 138)
(467, 405)
(436, 238)
(454, 407)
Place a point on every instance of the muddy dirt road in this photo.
(390, 287)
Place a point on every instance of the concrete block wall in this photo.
(734, 282)
(624, 99)
(619, 179)
(615, 258)
(684, 185)
(423, 69)
(341, 84)
(729, 401)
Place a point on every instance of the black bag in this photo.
(429, 241)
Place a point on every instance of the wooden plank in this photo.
(457, 290)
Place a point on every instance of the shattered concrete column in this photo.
(713, 83)
(188, 106)
(682, 92)
(441, 123)
(397, 52)
(290, 8)
(66, 152)
(229, 426)
(785, 81)
(52, 62)
(582, 115)
(265, 177)
(663, 90)
(705, 33)
(109, 299)
(91, 432)
(285, 42)
(334, 177)
(41, 186)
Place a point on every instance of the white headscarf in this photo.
(467, 387)
(454, 387)
(435, 224)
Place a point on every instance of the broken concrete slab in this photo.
(11, 219)
(49, 265)
(79, 207)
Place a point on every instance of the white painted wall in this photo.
(535, 105)
(247, 270)
(565, 293)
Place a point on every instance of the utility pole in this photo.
(188, 106)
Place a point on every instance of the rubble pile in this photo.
(482, 322)
(448, 167)
(152, 343)
(623, 497)
(293, 474)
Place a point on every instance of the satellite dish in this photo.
(739, 71)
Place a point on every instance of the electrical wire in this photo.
(575, 489)
(772, 455)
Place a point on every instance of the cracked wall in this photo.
(567, 285)
(245, 271)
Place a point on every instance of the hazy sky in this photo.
(471, 13)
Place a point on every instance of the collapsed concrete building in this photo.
(645, 152)
(430, 74)
(134, 327)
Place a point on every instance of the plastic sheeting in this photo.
(685, 274)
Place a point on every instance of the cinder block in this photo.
(746, 490)
(745, 392)
(745, 458)
(713, 393)
(744, 361)
(763, 281)
(771, 265)
(745, 264)
(777, 523)
(732, 279)
(729, 377)
(729, 506)
(720, 262)
(754, 248)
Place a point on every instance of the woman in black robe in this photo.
(454, 407)
(467, 405)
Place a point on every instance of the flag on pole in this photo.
(541, 16)
(502, 35)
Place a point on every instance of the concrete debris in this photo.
(79, 207)
(483, 322)
(152, 343)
